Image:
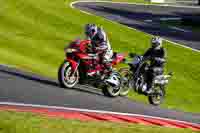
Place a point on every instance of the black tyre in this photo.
(110, 91)
(124, 72)
(157, 97)
(64, 76)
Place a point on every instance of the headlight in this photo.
(70, 50)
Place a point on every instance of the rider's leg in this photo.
(107, 59)
(150, 77)
(106, 62)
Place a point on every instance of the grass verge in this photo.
(33, 35)
(13, 122)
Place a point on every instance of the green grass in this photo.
(33, 35)
(11, 122)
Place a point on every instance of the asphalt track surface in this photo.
(27, 88)
(138, 16)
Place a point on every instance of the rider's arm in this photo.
(101, 49)
(102, 46)
(147, 54)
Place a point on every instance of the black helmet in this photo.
(156, 42)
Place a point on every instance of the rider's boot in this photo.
(149, 91)
(107, 71)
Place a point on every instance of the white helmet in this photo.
(114, 79)
(90, 30)
(156, 42)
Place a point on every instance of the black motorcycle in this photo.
(135, 76)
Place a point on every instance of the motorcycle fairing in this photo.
(73, 63)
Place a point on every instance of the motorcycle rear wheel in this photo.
(111, 91)
(64, 76)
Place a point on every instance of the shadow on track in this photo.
(45, 81)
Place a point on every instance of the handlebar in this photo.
(132, 55)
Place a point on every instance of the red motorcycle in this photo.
(82, 67)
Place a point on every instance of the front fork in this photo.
(76, 68)
(74, 65)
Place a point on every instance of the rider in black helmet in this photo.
(157, 55)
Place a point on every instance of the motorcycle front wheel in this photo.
(124, 72)
(66, 77)
(157, 97)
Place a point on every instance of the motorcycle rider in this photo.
(156, 55)
(100, 44)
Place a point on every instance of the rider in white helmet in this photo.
(100, 44)
(157, 55)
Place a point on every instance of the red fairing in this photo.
(82, 55)
(80, 44)
(83, 45)
(98, 68)
(90, 63)
(119, 58)
(73, 63)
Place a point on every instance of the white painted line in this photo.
(9, 66)
(180, 45)
(177, 28)
(183, 1)
(166, 19)
(87, 110)
(148, 20)
(86, 12)
(71, 5)
(158, 1)
(133, 3)
(196, 50)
